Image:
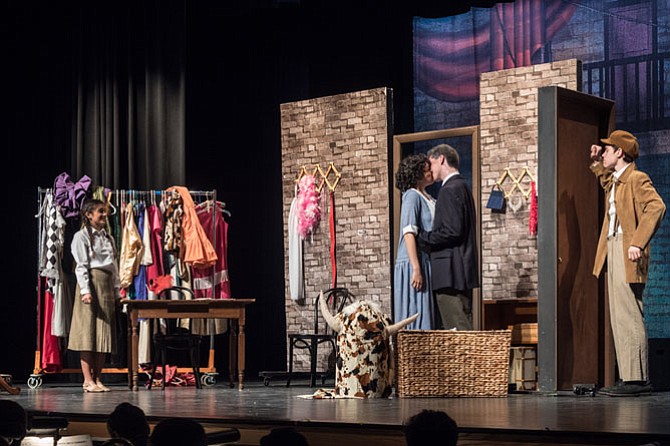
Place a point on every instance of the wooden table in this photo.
(232, 309)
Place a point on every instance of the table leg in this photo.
(240, 352)
(232, 350)
(134, 353)
(129, 346)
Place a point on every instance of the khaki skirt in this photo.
(93, 325)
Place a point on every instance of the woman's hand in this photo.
(417, 279)
(86, 298)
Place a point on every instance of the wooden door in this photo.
(572, 313)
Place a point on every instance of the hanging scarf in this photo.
(532, 220)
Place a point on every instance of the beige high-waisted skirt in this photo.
(93, 325)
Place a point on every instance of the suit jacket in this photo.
(452, 241)
(639, 210)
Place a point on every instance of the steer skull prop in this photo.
(364, 359)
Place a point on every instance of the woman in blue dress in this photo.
(412, 288)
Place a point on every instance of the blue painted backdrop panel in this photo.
(625, 50)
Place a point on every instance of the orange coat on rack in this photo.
(196, 249)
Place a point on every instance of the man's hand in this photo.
(86, 298)
(596, 151)
(634, 253)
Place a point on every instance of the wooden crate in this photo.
(446, 363)
(523, 368)
(524, 333)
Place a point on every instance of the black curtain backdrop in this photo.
(237, 62)
(128, 80)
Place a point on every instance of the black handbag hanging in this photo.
(497, 202)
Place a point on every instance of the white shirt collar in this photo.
(449, 176)
(619, 172)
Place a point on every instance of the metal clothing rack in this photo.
(208, 373)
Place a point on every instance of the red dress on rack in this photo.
(51, 361)
(202, 277)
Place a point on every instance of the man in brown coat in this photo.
(633, 213)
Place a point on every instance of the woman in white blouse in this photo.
(94, 316)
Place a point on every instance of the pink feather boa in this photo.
(309, 210)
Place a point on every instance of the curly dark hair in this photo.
(410, 171)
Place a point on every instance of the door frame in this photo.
(397, 155)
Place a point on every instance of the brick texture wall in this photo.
(509, 129)
(351, 131)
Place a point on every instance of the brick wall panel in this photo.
(351, 130)
(508, 122)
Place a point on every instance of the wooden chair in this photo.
(337, 298)
(174, 337)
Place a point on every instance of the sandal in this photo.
(92, 388)
(103, 387)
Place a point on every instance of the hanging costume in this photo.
(131, 249)
(69, 196)
(196, 249)
(208, 213)
(202, 277)
(154, 270)
(295, 260)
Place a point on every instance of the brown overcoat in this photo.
(639, 209)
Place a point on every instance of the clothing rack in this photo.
(115, 199)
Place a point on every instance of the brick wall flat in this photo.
(509, 129)
(351, 131)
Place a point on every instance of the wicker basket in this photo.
(445, 363)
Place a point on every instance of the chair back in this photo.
(117, 442)
(336, 299)
(174, 293)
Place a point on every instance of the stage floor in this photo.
(535, 418)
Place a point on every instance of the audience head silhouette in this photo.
(431, 427)
(13, 422)
(129, 422)
(284, 436)
(178, 432)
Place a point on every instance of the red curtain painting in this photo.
(448, 61)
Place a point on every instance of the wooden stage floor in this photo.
(531, 418)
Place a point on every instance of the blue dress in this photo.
(416, 213)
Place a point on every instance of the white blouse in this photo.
(100, 256)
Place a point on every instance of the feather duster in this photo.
(309, 210)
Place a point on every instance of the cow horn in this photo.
(393, 329)
(329, 318)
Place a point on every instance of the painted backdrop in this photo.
(625, 50)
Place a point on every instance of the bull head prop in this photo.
(364, 359)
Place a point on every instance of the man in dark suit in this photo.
(452, 241)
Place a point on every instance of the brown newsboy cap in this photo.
(625, 140)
